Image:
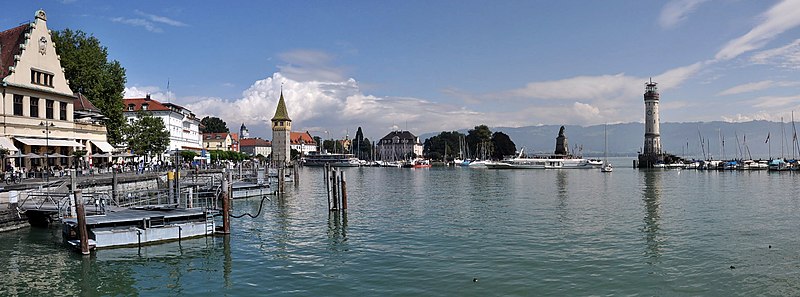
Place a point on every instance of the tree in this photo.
(479, 141)
(503, 146)
(444, 145)
(318, 140)
(188, 155)
(147, 135)
(358, 143)
(86, 66)
(213, 125)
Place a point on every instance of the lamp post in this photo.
(47, 125)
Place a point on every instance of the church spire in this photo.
(280, 113)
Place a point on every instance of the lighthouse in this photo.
(652, 134)
(651, 153)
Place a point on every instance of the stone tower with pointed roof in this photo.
(281, 132)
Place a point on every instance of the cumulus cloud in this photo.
(787, 56)
(756, 86)
(337, 107)
(154, 92)
(776, 20)
(676, 11)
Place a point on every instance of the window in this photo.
(48, 109)
(144, 106)
(130, 107)
(34, 107)
(17, 104)
(63, 109)
(41, 78)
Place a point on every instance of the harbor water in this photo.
(460, 232)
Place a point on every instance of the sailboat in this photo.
(606, 165)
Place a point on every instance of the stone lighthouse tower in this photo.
(652, 134)
(281, 130)
(652, 153)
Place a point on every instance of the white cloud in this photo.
(776, 102)
(787, 56)
(136, 22)
(756, 86)
(154, 92)
(757, 116)
(676, 11)
(776, 20)
(310, 65)
(161, 19)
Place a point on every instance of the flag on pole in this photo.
(767, 141)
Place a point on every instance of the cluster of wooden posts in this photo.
(336, 187)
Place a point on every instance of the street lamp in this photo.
(47, 125)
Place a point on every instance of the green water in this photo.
(431, 232)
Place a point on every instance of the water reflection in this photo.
(226, 251)
(337, 230)
(563, 195)
(651, 195)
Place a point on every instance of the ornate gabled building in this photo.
(399, 145)
(281, 134)
(39, 114)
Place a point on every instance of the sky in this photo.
(429, 66)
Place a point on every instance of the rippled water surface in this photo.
(432, 232)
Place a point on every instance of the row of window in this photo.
(34, 107)
(41, 78)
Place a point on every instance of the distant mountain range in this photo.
(681, 139)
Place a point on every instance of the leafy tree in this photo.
(366, 149)
(295, 154)
(332, 145)
(358, 143)
(188, 155)
(213, 125)
(446, 142)
(147, 135)
(86, 66)
(479, 141)
(503, 146)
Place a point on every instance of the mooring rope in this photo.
(257, 214)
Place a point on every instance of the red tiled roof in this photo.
(247, 142)
(152, 105)
(9, 46)
(295, 138)
(82, 104)
(208, 136)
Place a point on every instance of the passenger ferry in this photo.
(335, 160)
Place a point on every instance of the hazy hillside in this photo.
(676, 138)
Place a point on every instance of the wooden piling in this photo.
(335, 189)
(81, 222)
(344, 192)
(114, 186)
(326, 180)
(281, 179)
(226, 219)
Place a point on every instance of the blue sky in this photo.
(442, 65)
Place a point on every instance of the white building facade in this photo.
(182, 124)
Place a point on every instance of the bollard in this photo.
(81, 222)
(170, 185)
(344, 192)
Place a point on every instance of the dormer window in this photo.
(130, 107)
(144, 106)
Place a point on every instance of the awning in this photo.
(103, 146)
(6, 143)
(48, 142)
